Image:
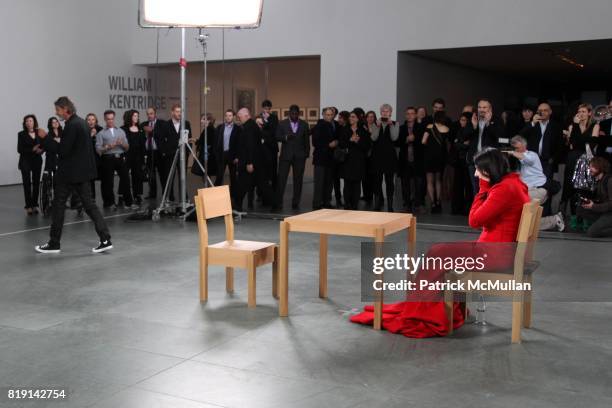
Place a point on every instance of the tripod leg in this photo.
(169, 181)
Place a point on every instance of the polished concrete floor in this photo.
(126, 329)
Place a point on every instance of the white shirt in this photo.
(177, 125)
(543, 126)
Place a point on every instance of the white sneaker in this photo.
(104, 246)
(560, 223)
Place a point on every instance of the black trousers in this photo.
(323, 183)
(352, 191)
(367, 183)
(462, 194)
(297, 167)
(30, 176)
(226, 162)
(247, 181)
(412, 182)
(165, 165)
(62, 190)
(153, 165)
(111, 164)
(336, 168)
(136, 176)
(602, 222)
(389, 187)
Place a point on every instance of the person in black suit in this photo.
(136, 154)
(209, 156)
(227, 134)
(248, 156)
(355, 139)
(410, 161)
(30, 162)
(294, 136)
(384, 135)
(483, 131)
(325, 142)
(270, 124)
(544, 137)
(154, 129)
(76, 168)
(168, 145)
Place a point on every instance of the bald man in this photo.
(544, 137)
(249, 160)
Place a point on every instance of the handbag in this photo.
(582, 179)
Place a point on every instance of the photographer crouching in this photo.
(598, 211)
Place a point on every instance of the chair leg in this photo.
(527, 301)
(203, 276)
(275, 274)
(517, 321)
(229, 280)
(252, 281)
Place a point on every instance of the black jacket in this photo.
(25, 144)
(552, 144)
(417, 146)
(234, 137)
(76, 161)
(136, 152)
(169, 139)
(384, 155)
(269, 133)
(294, 145)
(247, 147)
(158, 131)
(354, 164)
(490, 137)
(322, 135)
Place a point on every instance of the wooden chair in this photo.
(522, 272)
(215, 202)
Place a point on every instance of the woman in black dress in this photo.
(136, 153)
(434, 142)
(580, 134)
(30, 162)
(55, 131)
(356, 142)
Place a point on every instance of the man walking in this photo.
(76, 167)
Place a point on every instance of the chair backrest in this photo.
(214, 202)
(527, 235)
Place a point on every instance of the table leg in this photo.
(283, 284)
(378, 296)
(412, 237)
(323, 266)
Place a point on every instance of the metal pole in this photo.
(182, 141)
(204, 47)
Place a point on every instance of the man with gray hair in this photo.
(537, 183)
(384, 134)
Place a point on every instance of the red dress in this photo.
(497, 210)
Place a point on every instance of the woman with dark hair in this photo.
(94, 129)
(497, 210)
(30, 162)
(343, 118)
(136, 154)
(356, 142)
(580, 134)
(435, 140)
(367, 185)
(55, 131)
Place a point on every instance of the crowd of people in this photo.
(357, 157)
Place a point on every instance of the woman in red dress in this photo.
(497, 210)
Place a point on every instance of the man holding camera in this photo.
(598, 211)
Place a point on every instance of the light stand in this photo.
(202, 39)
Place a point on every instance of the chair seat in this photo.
(245, 246)
(236, 253)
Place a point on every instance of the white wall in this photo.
(55, 48)
(51, 48)
(358, 40)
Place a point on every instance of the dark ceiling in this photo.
(554, 61)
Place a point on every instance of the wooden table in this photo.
(368, 224)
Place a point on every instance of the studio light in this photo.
(201, 13)
(194, 14)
